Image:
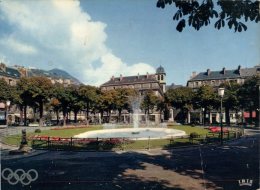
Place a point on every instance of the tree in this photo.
(249, 96)
(64, 96)
(39, 89)
(206, 97)
(5, 92)
(88, 94)
(77, 103)
(229, 13)
(56, 105)
(230, 99)
(121, 99)
(162, 106)
(149, 102)
(108, 101)
(24, 96)
(181, 98)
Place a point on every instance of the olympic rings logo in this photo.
(19, 176)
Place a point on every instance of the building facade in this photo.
(215, 78)
(9, 74)
(141, 83)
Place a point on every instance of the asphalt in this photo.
(202, 167)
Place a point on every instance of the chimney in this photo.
(147, 75)
(224, 71)
(239, 69)
(208, 72)
(2, 67)
(113, 78)
(121, 77)
(193, 74)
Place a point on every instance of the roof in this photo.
(173, 86)
(160, 70)
(10, 72)
(248, 72)
(130, 80)
(217, 75)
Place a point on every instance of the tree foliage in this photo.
(206, 97)
(180, 98)
(197, 14)
(149, 102)
(5, 92)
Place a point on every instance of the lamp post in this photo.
(7, 109)
(203, 109)
(221, 92)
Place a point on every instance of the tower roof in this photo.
(160, 70)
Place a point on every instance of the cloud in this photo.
(18, 47)
(62, 33)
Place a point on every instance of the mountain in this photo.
(53, 73)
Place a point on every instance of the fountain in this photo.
(137, 133)
(135, 103)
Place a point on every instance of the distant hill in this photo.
(53, 73)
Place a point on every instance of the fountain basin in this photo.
(134, 133)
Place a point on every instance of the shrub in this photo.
(194, 135)
(37, 131)
(192, 125)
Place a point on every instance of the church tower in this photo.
(160, 75)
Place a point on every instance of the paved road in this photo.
(192, 168)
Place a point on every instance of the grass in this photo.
(15, 139)
(188, 129)
(140, 144)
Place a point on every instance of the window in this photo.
(146, 85)
(154, 84)
(161, 77)
(137, 86)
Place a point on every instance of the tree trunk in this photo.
(64, 117)
(102, 116)
(87, 113)
(251, 116)
(227, 116)
(34, 114)
(257, 122)
(109, 115)
(119, 115)
(41, 114)
(87, 109)
(57, 117)
(25, 115)
(21, 113)
(75, 116)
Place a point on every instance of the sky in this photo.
(96, 39)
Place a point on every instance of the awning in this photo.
(247, 114)
(2, 105)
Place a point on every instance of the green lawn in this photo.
(140, 144)
(188, 129)
(15, 139)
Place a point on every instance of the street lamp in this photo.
(7, 107)
(221, 92)
(203, 109)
